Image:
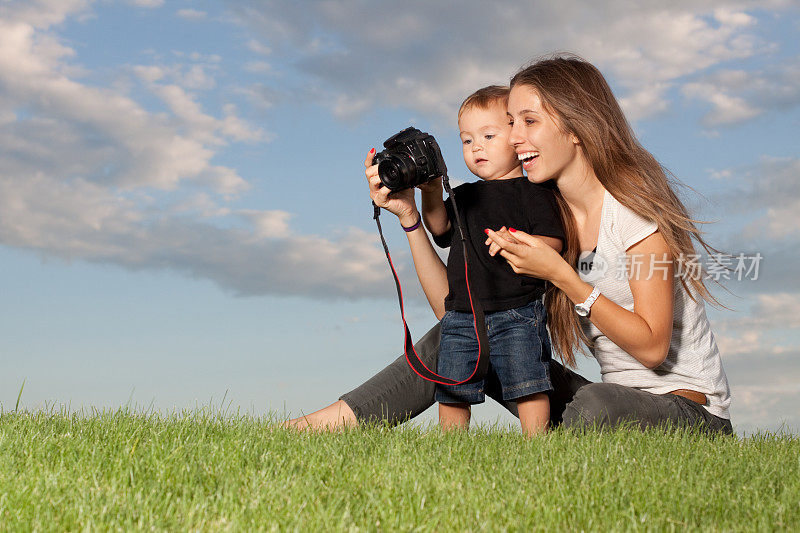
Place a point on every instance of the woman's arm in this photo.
(644, 333)
(430, 269)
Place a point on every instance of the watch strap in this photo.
(587, 304)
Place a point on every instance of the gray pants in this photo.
(396, 394)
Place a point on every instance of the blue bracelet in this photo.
(412, 228)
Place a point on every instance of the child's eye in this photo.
(510, 122)
(489, 137)
(466, 141)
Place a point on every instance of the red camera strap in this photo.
(479, 320)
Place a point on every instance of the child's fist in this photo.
(433, 186)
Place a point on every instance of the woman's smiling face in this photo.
(546, 152)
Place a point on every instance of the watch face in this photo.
(581, 310)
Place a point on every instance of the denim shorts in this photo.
(519, 353)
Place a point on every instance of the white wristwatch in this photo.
(584, 308)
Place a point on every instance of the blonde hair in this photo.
(485, 97)
(578, 96)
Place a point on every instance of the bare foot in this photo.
(335, 416)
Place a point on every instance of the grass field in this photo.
(208, 471)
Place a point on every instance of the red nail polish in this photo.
(512, 230)
(486, 231)
(372, 151)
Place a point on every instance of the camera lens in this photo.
(397, 172)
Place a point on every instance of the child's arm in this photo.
(434, 213)
(553, 242)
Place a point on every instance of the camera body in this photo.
(411, 157)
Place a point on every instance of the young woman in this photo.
(643, 315)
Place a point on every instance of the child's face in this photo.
(484, 139)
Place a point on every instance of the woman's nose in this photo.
(514, 137)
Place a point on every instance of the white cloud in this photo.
(78, 219)
(144, 148)
(771, 186)
(268, 224)
(645, 102)
(191, 14)
(357, 62)
(727, 109)
(42, 13)
(778, 310)
(765, 395)
(762, 330)
(149, 4)
(721, 174)
(761, 358)
(190, 76)
(258, 67)
(149, 73)
(197, 77)
(257, 47)
(83, 172)
(237, 128)
(766, 407)
(737, 96)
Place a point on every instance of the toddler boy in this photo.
(515, 313)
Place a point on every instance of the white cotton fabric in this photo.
(693, 361)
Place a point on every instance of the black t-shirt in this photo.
(513, 203)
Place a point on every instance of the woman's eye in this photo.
(529, 121)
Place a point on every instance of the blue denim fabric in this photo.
(519, 353)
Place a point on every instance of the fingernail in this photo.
(372, 151)
(512, 230)
(486, 231)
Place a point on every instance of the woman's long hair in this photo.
(577, 94)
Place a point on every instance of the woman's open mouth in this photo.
(527, 158)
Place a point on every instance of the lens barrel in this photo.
(397, 172)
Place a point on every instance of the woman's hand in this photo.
(527, 255)
(400, 203)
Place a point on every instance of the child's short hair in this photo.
(485, 97)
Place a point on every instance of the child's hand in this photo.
(431, 187)
(400, 203)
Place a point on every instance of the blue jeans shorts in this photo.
(519, 353)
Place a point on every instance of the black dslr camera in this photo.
(411, 158)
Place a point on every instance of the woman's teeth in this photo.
(527, 156)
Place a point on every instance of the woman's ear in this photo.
(574, 139)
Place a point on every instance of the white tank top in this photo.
(693, 361)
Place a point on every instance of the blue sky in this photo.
(183, 214)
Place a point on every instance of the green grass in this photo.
(205, 471)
